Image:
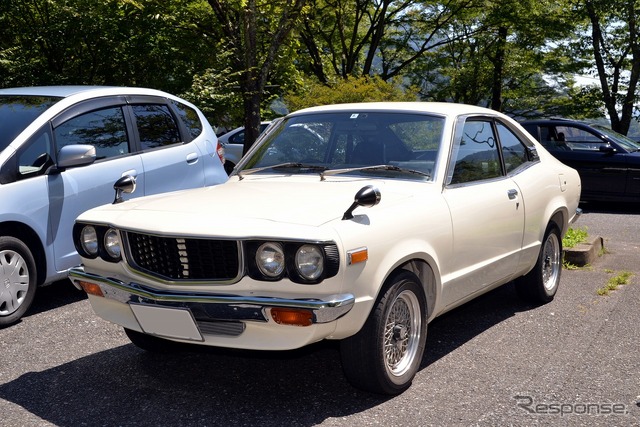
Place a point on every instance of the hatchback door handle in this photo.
(513, 193)
(192, 158)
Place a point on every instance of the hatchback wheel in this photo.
(17, 279)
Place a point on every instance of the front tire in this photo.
(384, 356)
(17, 279)
(541, 284)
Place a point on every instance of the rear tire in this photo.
(541, 284)
(384, 356)
(17, 279)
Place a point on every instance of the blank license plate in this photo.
(166, 322)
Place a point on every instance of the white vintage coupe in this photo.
(359, 223)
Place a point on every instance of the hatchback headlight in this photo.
(309, 262)
(112, 245)
(270, 259)
(89, 240)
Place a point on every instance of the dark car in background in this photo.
(608, 162)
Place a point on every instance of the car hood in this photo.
(254, 205)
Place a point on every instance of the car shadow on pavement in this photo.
(55, 295)
(455, 328)
(125, 385)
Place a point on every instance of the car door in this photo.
(603, 173)
(487, 212)
(170, 163)
(77, 189)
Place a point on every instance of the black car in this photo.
(608, 162)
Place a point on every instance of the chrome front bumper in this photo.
(215, 307)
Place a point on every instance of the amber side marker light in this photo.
(91, 288)
(292, 316)
(357, 255)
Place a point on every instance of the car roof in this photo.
(67, 91)
(444, 108)
(555, 121)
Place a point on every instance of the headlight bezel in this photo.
(100, 238)
(326, 252)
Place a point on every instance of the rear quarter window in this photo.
(156, 126)
(190, 118)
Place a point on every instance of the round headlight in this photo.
(270, 259)
(112, 243)
(89, 240)
(309, 262)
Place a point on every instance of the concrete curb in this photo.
(584, 253)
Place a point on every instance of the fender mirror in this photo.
(366, 197)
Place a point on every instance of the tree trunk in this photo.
(498, 70)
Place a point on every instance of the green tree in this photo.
(351, 89)
(254, 32)
(113, 42)
(370, 37)
(609, 40)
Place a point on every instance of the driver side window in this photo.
(104, 129)
(475, 155)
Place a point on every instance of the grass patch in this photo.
(574, 237)
(615, 282)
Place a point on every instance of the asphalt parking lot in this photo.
(493, 362)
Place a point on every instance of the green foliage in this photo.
(615, 282)
(113, 42)
(234, 57)
(363, 89)
(574, 237)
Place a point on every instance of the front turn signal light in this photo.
(91, 288)
(292, 316)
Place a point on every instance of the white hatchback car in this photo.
(233, 144)
(359, 223)
(61, 150)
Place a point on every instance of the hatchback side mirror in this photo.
(76, 155)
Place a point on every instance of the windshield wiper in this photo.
(372, 168)
(288, 165)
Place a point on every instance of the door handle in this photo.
(513, 193)
(192, 158)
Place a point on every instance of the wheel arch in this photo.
(561, 219)
(30, 238)
(425, 273)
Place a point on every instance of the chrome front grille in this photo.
(183, 259)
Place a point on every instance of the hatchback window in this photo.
(104, 129)
(190, 118)
(17, 112)
(156, 126)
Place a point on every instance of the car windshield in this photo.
(391, 145)
(627, 143)
(17, 112)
